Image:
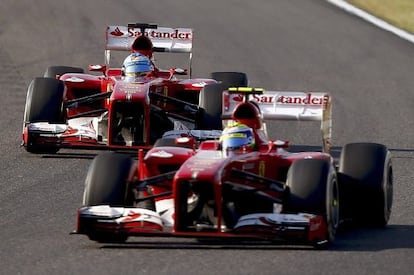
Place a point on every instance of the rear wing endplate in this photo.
(287, 105)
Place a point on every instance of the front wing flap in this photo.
(301, 227)
(104, 218)
(78, 131)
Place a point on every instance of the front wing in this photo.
(301, 227)
(86, 133)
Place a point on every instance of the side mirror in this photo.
(179, 71)
(281, 143)
(97, 68)
(185, 141)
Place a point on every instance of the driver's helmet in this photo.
(137, 65)
(237, 138)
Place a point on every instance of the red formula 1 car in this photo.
(264, 192)
(69, 108)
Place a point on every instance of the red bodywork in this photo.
(98, 99)
(216, 183)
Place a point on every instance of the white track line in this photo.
(372, 19)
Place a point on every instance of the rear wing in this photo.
(164, 39)
(285, 105)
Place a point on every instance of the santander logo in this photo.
(307, 99)
(117, 32)
(161, 33)
(173, 34)
(303, 100)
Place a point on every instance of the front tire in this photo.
(313, 188)
(44, 103)
(107, 180)
(106, 183)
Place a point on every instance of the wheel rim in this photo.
(388, 193)
(333, 210)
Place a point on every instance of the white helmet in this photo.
(137, 65)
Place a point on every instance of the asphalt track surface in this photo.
(291, 45)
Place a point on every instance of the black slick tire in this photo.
(106, 183)
(231, 79)
(44, 103)
(366, 183)
(54, 71)
(210, 98)
(313, 188)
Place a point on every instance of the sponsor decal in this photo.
(131, 217)
(132, 88)
(308, 99)
(70, 131)
(156, 34)
(238, 98)
(82, 130)
(175, 34)
(200, 165)
(117, 32)
(300, 100)
(135, 217)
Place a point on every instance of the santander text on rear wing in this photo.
(164, 39)
(285, 105)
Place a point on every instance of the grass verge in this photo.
(396, 12)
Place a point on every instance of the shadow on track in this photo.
(361, 239)
(69, 156)
(336, 151)
(82, 154)
(370, 239)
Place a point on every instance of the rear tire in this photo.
(366, 183)
(44, 103)
(210, 101)
(313, 188)
(231, 79)
(211, 98)
(52, 71)
(169, 142)
(106, 183)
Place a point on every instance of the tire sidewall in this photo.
(366, 183)
(106, 182)
(313, 189)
